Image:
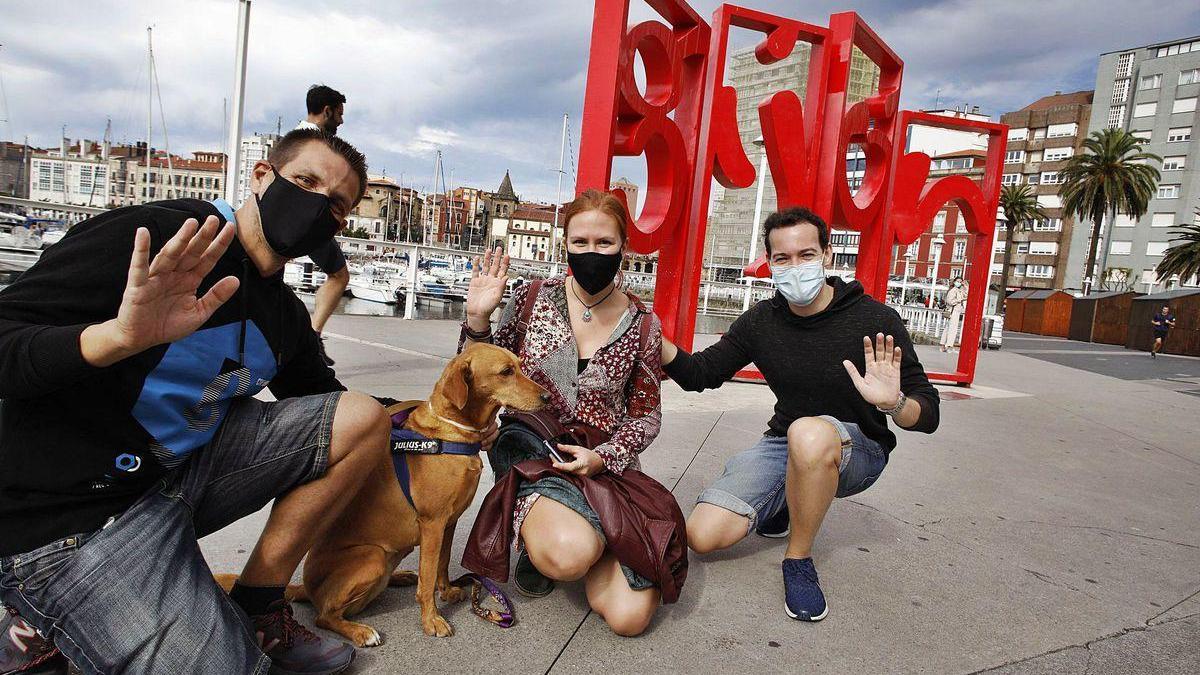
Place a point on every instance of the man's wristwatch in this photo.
(892, 412)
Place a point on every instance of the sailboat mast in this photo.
(562, 158)
(149, 109)
(239, 98)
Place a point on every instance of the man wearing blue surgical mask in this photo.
(835, 389)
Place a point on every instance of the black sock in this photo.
(256, 599)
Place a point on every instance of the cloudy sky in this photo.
(487, 81)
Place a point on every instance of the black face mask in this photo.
(294, 221)
(594, 271)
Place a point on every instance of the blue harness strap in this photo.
(406, 442)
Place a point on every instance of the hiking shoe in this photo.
(24, 650)
(530, 582)
(321, 350)
(296, 650)
(803, 599)
(777, 526)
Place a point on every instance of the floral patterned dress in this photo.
(618, 390)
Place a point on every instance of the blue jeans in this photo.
(754, 479)
(137, 595)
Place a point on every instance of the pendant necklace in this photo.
(587, 309)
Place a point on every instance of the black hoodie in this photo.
(801, 359)
(79, 444)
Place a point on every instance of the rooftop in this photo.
(1060, 99)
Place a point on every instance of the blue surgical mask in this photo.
(800, 284)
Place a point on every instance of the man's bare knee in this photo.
(814, 443)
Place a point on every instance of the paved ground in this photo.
(1051, 525)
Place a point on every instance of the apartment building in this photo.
(1042, 137)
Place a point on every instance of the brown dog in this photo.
(355, 560)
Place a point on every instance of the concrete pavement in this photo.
(1051, 523)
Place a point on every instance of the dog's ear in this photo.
(456, 383)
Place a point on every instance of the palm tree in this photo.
(1112, 175)
(1020, 207)
(1182, 258)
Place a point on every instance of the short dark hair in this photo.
(795, 216)
(320, 96)
(286, 149)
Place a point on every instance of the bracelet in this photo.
(477, 335)
(892, 412)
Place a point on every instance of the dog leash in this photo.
(504, 617)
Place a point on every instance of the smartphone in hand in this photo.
(555, 453)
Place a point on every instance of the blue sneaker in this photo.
(777, 526)
(803, 599)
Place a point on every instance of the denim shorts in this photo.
(137, 595)
(754, 479)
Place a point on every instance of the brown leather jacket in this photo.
(640, 518)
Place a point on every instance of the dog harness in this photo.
(406, 442)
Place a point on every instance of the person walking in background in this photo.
(326, 108)
(956, 304)
(1162, 322)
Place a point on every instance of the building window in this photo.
(960, 250)
(1116, 115)
(1182, 48)
(1018, 270)
(1020, 134)
(1179, 134)
(1049, 178)
(1162, 220)
(1145, 109)
(1120, 248)
(1022, 247)
(1060, 130)
(939, 222)
(1040, 271)
(1014, 157)
(1156, 247)
(1056, 154)
(1043, 248)
(1175, 163)
(1011, 179)
(1150, 82)
(911, 251)
(1120, 90)
(1125, 64)
(1033, 179)
(1047, 225)
(1184, 105)
(1168, 191)
(1189, 76)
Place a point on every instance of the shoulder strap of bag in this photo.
(535, 287)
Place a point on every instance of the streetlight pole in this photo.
(758, 200)
(908, 256)
(937, 244)
(234, 140)
(1001, 222)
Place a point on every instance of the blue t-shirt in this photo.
(1160, 322)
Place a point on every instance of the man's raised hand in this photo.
(880, 385)
(160, 303)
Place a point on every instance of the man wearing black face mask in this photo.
(128, 428)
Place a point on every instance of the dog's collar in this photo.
(452, 423)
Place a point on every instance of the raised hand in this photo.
(160, 303)
(489, 275)
(880, 385)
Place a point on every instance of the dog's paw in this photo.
(403, 578)
(436, 626)
(452, 594)
(365, 636)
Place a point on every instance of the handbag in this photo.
(545, 423)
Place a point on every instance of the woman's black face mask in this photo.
(594, 271)
(295, 221)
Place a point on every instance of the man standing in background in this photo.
(1163, 322)
(326, 107)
